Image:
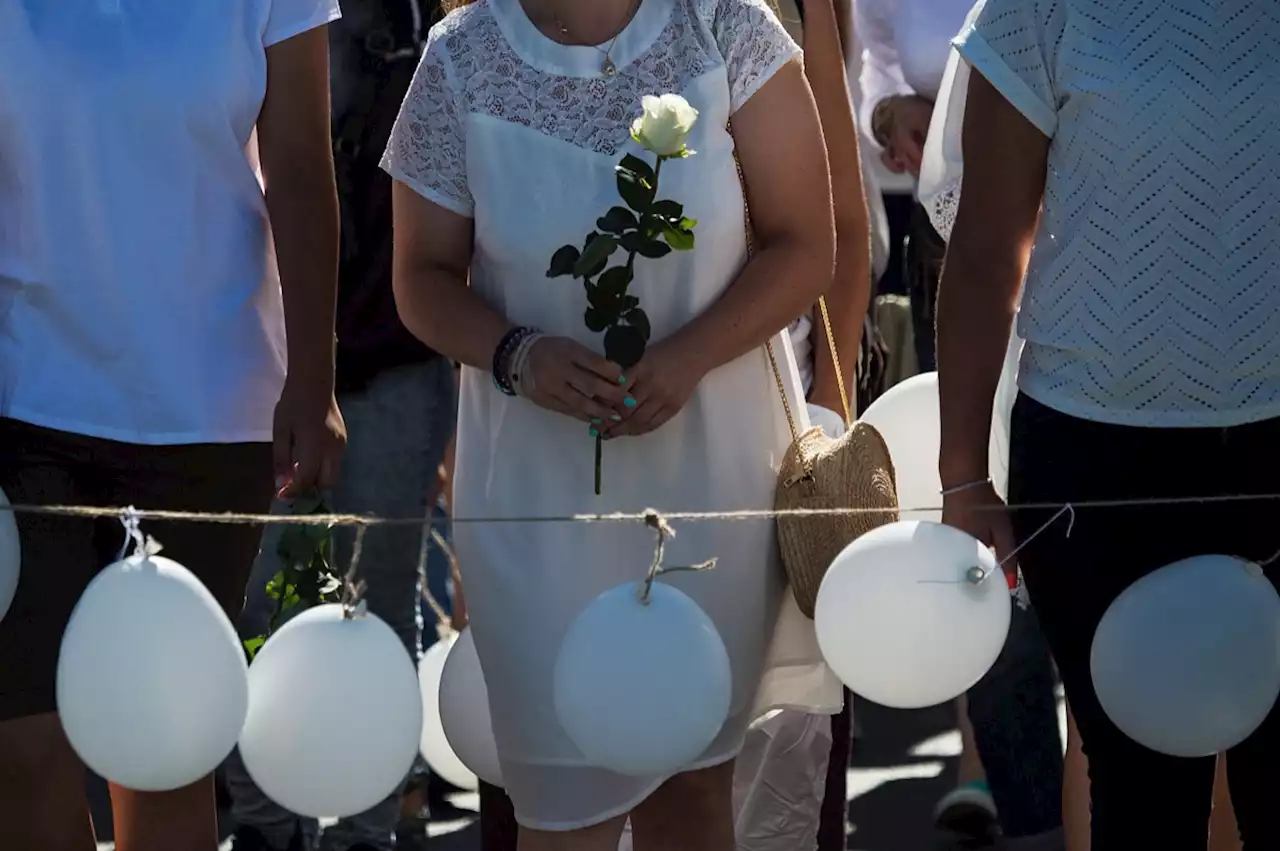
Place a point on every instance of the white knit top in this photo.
(1153, 293)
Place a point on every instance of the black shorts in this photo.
(60, 555)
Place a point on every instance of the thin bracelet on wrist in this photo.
(501, 370)
(968, 486)
(517, 373)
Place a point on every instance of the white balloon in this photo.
(1186, 661)
(899, 621)
(907, 417)
(10, 556)
(151, 684)
(434, 743)
(334, 714)
(642, 689)
(830, 422)
(464, 710)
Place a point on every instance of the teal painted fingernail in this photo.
(622, 379)
(629, 402)
(617, 418)
(594, 433)
(597, 421)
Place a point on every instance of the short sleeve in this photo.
(1014, 44)
(288, 18)
(428, 149)
(754, 45)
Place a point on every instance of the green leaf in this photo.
(669, 210)
(615, 281)
(595, 256)
(639, 320)
(563, 261)
(274, 584)
(639, 168)
(680, 240)
(596, 320)
(688, 224)
(624, 345)
(317, 534)
(635, 190)
(253, 645)
(617, 221)
(633, 241)
(654, 249)
(630, 302)
(293, 546)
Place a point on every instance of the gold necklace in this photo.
(606, 66)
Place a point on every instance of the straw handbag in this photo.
(817, 472)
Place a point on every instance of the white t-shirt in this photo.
(905, 47)
(1152, 297)
(137, 299)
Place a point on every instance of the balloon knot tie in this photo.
(659, 524)
(134, 541)
(353, 588)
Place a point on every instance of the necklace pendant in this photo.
(608, 68)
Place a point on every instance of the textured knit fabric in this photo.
(1151, 298)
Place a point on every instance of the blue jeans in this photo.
(1014, 712)
(397, 431)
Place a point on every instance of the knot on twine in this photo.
(655, 521)
(353, 588)
(135, 543)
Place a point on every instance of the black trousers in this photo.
(1142, 799)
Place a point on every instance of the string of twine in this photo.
(365, 520)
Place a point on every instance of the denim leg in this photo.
(1014, 713)
(249, 805)
(398, 430)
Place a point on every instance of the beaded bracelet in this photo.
(502, 358)
(517, 371)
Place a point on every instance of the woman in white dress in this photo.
(505, 151)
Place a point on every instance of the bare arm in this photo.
(851, 290)
(297, 168)
(1004, 174)
(784, 165)
(432, 258)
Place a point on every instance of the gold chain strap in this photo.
(768, 345)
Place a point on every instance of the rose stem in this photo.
(599, 452)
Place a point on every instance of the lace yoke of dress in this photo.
(595, 113)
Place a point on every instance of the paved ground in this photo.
(902, 763)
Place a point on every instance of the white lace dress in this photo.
(522, 134)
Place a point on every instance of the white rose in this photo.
(665, 125)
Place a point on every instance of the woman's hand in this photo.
(984, 515)
(901, 124)
(310, 437)
(568, 378)
(661, 385)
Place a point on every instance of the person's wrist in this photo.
(960, 468)
(692, 354)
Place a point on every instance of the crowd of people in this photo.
(258, 251)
